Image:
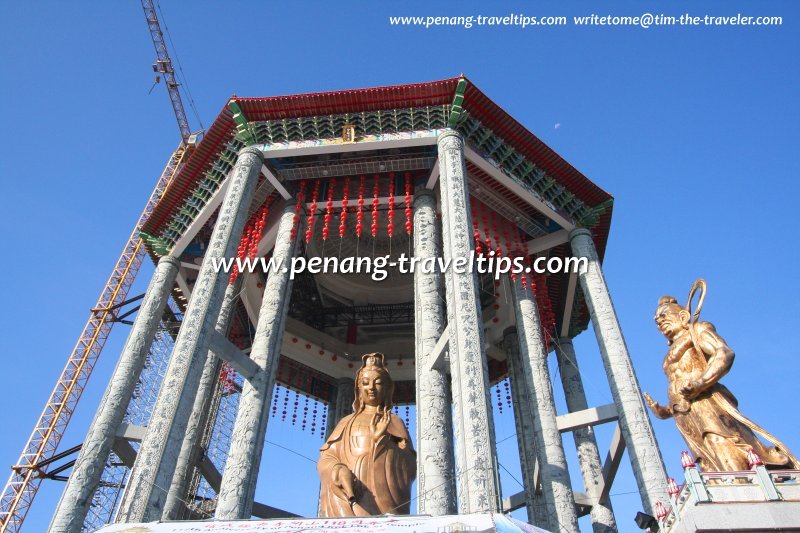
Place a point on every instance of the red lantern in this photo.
(328, 209)
(390, 213)
(297, 207)
(375, 192)
(360, 211)
(343, 214)
(408, 203)
(312, 211)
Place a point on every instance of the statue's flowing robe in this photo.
(383, 471)
(715, 413)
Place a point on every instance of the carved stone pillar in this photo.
(435, 484)
(158, 454)
(85, 476)
(585, 442)
(556, 485)
(190, 448)
(640, 440)
(476, 461)
(247, 440)
(523, 420)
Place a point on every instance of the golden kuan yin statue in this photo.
(704, 410)
(368, 463)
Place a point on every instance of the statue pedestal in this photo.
(740, 501)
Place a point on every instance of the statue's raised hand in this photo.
(379, 424)
(660, 411)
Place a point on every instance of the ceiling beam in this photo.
(275, 183)
(550, 240)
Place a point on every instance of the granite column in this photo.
(247, 440)
(85, 476)
(435, 483)
(153, 470)
(635, 426)
(478, 487)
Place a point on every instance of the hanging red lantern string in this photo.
(476, 232)
(390, 214)
(360, 212)
(275, 400)
(312, 212)
(305, 412)
(407, 202)
(343, 213)
(294, 410)
(499, 399)
(328, 209)
(375, 192)
(314, 417)
(285, 404)
(508, 392)
(324, 421)
(259, 224)
(251, 236)
(297, 207)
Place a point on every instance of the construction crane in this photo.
(40, 451)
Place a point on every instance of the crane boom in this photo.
(163, 66)
(30, 468)
(28, 472)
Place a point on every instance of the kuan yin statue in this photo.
(368, 463)
(705, 411)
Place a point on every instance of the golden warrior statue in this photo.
(368, 463)
(706, 412)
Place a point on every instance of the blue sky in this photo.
(693, 130)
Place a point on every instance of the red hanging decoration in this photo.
(328, 209)
(390, 214)
(312, 212)
(297, 207)
(508, 393)
(407, 201)
(294, 410)
(322, 424)
(285, 405)
(375, 192)
(314, 417)
(499, 399)
(343, 214)
(305, 413)
(360, 211)
(275, 400)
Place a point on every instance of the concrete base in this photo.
(747, 516)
